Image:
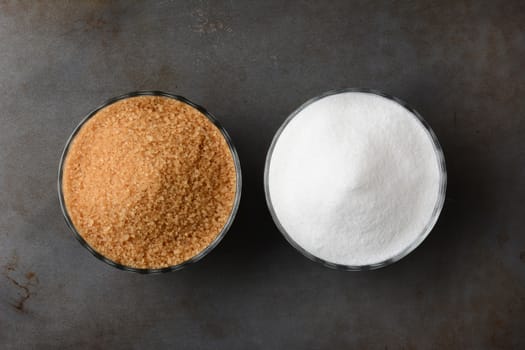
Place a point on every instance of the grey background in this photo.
(459, 63)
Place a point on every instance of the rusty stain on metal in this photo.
(25, 288)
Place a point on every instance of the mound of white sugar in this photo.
(354, 179)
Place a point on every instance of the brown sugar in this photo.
(149, 182)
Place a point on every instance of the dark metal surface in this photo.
(251, 63)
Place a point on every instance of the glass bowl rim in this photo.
(219, 236)
(435, 213)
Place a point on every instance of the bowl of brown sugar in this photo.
(149, 182)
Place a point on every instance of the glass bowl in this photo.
(217, 239)
(435, 214)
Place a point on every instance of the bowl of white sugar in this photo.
(355, 179)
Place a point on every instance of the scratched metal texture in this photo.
(251, 63)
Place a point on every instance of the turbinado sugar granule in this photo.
(149, 182)
(354, 179)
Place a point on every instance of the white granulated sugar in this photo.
(354, 178)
